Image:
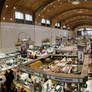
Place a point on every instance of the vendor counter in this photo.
(64, 77)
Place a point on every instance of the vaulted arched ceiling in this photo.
(72, 21)
(77, 23)
(56, 10)
(65, 16)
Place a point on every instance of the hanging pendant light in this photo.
(64, 27)
(68, 28)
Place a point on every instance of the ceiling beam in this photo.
(40, 13)
(80, 22)
(70, 13)
(7, 12)
(82, 17)
(41, 8)
(80, 25)
(69, 10)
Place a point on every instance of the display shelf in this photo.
(9, 61)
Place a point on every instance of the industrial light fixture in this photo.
(43, 16)
(3, 18)
(48, 10)
(61, 3)
(11, 19)
(58, 0)
(68, 0)
(14, 7)
(6, 6)
(51, 4)
(64, 26)
(76, 2)
(54, 6)
(80, 11)
(68, 28)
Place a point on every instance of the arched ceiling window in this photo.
(19, 17)
(28, 18)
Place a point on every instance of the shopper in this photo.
(11, 75)
(91, 49)
(35, 56)
(7, 83)
(23, 51)
(64, 89)
(9, 79)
